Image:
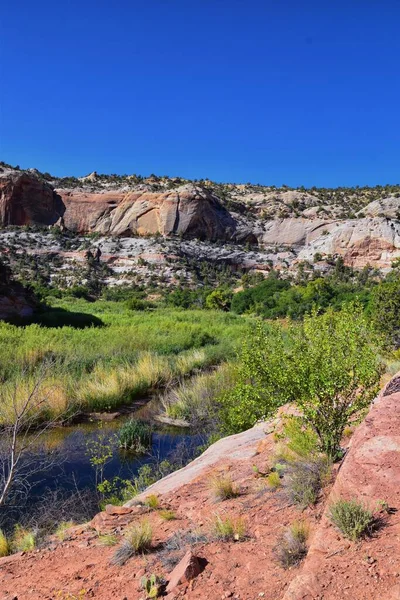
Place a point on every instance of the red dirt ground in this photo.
(334, 568)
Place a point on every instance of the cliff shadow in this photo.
(59, 317)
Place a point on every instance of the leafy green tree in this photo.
(328, 366)
(219, 299)
(262, 380)
(336, 372)
(385, 310)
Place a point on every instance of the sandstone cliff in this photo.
(304, 223)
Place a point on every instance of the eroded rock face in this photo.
(26, 199)
(276, 221)
(373, 241)
(188, 210)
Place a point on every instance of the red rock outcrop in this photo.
(26, 199)
(188, 210)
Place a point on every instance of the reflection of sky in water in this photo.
(75, 470)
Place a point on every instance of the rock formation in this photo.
(290, 220)
(26, 199)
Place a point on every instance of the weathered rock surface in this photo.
(26, 199)
(292, 220)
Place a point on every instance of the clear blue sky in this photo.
(264, 91)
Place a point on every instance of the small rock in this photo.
(188, 568)
(118, 510)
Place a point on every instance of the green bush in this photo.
(328, 365)
(351, 517)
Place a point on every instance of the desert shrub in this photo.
(304, 480)
(229, 528)
(4, 545)
(135, 435)
(175, 547)
(137, 539)
(292, 546)
(223, 488)
(23, 540)
(337, 372)
(328, 365)
(152, 501)
(351, 517)
(152, 585)
(274, 480)
(300, 440)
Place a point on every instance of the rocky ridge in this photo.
(361, 226)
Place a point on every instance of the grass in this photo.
(61, 531)
(135, 436)
(137, 539)
(108, 539)
(292, 546)
(101, 368)
(223, 488)
(23, 540)
(4, 545)
(195, 400)
(229, 528)
(167, 515)
(300, 440)
(352, 518)
(152, 501)
(304, 479)
(274, 480)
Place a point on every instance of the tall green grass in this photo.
(100, 368)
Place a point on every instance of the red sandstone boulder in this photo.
(188, 568)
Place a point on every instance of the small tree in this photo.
(24, 418)
(385, 309)
(336, 372)
(328, 366)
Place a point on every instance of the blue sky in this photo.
(296, 93)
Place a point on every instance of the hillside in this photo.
(248, 568)
(157, 226)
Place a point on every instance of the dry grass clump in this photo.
(152, 501)
(61, 531)
(167, 515)
(195, 400)
(229, 529)
(223, 488)
(352, 518)
(108, 539)
(4, 545)
(137, 539)
(23, 540)
(305, 478)
(292, 546)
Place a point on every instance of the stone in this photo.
(187, 569)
